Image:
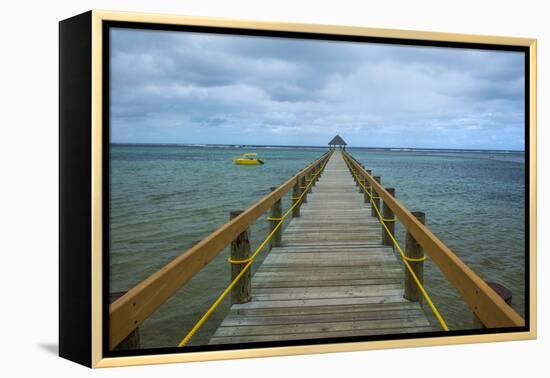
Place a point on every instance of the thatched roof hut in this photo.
(337, 141)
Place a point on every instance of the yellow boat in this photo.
(248, 159)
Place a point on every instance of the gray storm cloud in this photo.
(179, 87)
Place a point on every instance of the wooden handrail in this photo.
(134, 307)
(491, 309)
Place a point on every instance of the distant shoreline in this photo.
(395, 149)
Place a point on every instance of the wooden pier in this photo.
(336, 270)
(332, 277)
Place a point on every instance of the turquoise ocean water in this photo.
(166, 198)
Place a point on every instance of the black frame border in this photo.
(75, 189)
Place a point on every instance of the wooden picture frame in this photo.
(91, 327)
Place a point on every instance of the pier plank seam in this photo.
(331, 277)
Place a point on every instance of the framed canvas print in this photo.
(235, 189)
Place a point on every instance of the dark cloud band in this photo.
(201, 88)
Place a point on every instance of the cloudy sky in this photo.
(175, 87)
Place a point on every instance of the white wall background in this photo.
(28, 151)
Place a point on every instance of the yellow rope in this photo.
(408, 266)
(419, 259)
(248, 263)
(389, 220)
(274, 219)
(227, 290)
(238, 262)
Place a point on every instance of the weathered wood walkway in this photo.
(332, 277)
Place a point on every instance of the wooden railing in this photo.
(485, 303)
(135, 306)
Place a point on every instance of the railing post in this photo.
(240, 250)
(295, 196)
(368, 188)
(303, 184)
(275, 214)
(375, 198)
(132, 341)
(389, 220)
(413, 250)
(503, 292)
(362, 182)
(318, 170)
(308, 181)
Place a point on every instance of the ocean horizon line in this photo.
(273, 146)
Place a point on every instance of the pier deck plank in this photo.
(332, 277)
